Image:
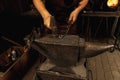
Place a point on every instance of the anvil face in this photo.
(62, 52)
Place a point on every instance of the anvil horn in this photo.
(94, 49)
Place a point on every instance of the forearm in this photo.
(41, 8)
(74, 14)
(81, 5)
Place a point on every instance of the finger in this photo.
(47, 25)
(70, 20)
(74, 19)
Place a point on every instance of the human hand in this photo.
(47, 21)
(73, 16)
(50, 23)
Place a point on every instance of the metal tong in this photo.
(54, 28)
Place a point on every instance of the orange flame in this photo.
(112, 3)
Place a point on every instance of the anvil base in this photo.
(49, 71)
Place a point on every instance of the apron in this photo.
(61, 10)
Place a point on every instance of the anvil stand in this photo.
(117, 38)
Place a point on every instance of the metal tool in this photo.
(54, 28)
(66, 31)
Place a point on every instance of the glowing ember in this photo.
(112, 3)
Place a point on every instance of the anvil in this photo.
(64, 55)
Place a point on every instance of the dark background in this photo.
(13, 25)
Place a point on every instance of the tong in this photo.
(54, 29)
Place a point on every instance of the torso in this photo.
(61, 9)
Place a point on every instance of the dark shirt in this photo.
(61, 10)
